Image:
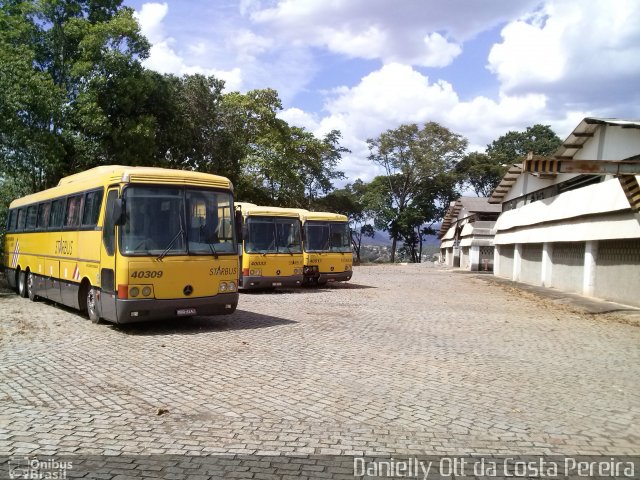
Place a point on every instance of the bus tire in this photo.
(30, 287)
(22, 284)
(92, 305)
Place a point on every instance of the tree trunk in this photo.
(393, 249)
(420, 239)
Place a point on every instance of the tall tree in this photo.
(76, 55)
(29, 100)
(412, 159)
(481, 172)
(512, 146)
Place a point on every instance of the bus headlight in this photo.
(255, 273)
(297, 271)
(146, 291)
(232, 286)
(347, 268)
(222, 287)
(134, 291)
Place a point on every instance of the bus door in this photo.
(108, 258)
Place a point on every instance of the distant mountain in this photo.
(382, 239)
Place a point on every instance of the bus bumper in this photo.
(134, 311)
(249, 282)
(334, 277)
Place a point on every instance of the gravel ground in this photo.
(403, 360)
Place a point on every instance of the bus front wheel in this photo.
(22, 284)
(92, 305)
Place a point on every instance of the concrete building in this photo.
(578, 232)
(466, 237)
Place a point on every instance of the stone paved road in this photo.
(403, 360)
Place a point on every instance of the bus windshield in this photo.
(327, 237)
(178, 221)
(273, 235)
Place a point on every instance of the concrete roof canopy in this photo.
(569, 148)
(469, 204)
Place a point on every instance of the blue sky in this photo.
(480, 68)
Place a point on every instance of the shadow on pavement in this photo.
(239, 320)
(307, 289)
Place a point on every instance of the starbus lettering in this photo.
(64, 247)
(223, 271)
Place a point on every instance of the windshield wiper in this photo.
(213, 250)
(173, 240)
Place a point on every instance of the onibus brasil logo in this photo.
(33, 468)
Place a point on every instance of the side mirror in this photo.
(239, 226)
(117, 212)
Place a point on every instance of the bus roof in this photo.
(249, 209)
(326, 216)
(115, 174)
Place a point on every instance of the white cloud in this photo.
(557, 61)
(164, 58)
(578, 52)
(414, 32)
(397, 94)
(439, 52)
(248, 45)
(299, 118)
(150, 19)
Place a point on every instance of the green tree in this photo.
(279, 164)
(512, 146)
(29, 100)
(413, 160)
(481, 172)
(74, 56)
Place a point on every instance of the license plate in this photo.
(276, 284)
(186, 311)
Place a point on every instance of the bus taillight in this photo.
(123, 292)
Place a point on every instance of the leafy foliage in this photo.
(419, 167)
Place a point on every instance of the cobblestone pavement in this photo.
(404, 360)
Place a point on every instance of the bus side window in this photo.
(32, 216)
(12, 220)
(109, 229)
(92, 204)
(43, 215)
(22, 219)
(72, 218)
(57, 214)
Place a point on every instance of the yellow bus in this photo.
(271, 247)
(327, 247)
(127, 244)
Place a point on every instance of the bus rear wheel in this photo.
(92, 305)
(30, 287)
(22, 284)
